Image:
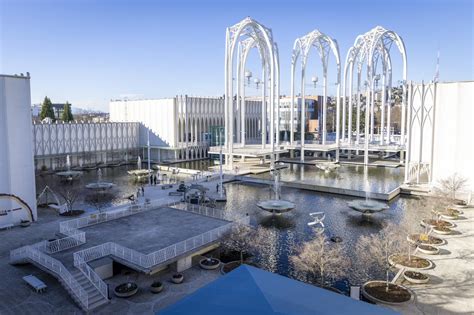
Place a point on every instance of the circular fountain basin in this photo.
(69, 175)
(276, 206)
(367, 206)
(100, 186)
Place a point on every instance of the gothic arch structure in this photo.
(324, 45)
(245, 35)
(369, 50)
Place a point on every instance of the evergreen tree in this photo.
(47, 109)
(67, 113)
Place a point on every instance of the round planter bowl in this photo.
(374, 299)
(25, 224)
(407, 277)
(177, 280)
(449, 217)
(432, 223)
(414, 238)
(215, 265)
(442, 232)
(400, 266)
(429, 251)
(128, 293)
(156, 289)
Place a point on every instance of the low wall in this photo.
(326, 189)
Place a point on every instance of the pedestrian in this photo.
(155, 179)
(138, 193)
(217, 187)
(143, 191)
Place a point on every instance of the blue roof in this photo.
(249, 290)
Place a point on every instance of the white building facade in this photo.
(440, 132)
(178, 128)
(87, 143)
(17, 177)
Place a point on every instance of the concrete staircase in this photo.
(94, 297)
(79, 287)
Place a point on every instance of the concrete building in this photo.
(87, 143)
(178, 128)
(440, 132)
(17, 178)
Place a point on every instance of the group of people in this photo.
(154, 180)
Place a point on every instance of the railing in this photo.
(54, 266)
(65, 243)
(147, 260)
(202, 210)
(90, 274)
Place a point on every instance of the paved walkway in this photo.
(451, 288)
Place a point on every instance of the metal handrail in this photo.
(154, 258)
(91, 275)
(54, 266)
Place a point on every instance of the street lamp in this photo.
(314, 80)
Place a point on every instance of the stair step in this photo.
(96, 298)
(97, 304)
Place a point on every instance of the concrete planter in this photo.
(444, 231)
(177, 278)
(428, 249)
(126, 289)
(400, 266)
(374, 299)
(209, 263)
(409, 276)
(156, 287)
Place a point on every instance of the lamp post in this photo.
(149, 162)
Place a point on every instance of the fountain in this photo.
(99, 185)
(276, 206)
(139, 173)
(327, 166)
(367, 206)
(68, 174)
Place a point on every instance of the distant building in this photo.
(312, 113)
(58, 109)
(17, 177)
(180, 127)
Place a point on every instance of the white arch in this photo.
(248, 28)
(302, 47)
(367, 50)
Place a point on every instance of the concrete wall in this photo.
(454, 131)
(158, 115)
(16, 154)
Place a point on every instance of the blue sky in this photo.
(88, 52)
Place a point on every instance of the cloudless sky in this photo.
(88, 52)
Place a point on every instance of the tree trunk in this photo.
(241, 257)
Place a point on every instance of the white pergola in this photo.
(369, 49)
(324, 45)
(246, 35)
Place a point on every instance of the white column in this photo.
(349, 120)
(359, 95)
(292, 102)
(325, 101)
(367, 121)
(338, 105)
(389, 106)
(264, 107)
(343, 124)
(382, 107)
(303, 106)
(404, 110)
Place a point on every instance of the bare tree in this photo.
(449, 186)
(70, 192)
(245, 239)
(321, 259)
(373, 251)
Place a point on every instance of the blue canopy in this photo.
(249, 290)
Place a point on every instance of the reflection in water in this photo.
(372, 179)
(279, 222)
(291, 229)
